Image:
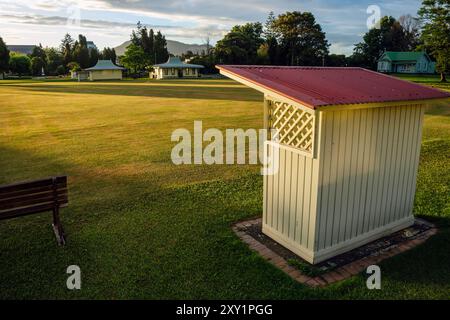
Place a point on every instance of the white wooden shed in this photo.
(104, 70)
(349, 142)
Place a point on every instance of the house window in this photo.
(166, 72)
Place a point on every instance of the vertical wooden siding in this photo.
(291, 195)
(368, 167)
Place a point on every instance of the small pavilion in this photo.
(344, 144)
(104, 70)
(175, 68)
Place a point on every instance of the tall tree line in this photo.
(392, 35)
(153, 44)
(295, 38)
(292, 38)
(4, 57)
(435, 16)
(71, 54)
(78, 51)
(146, 49)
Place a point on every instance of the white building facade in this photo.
(175, 68)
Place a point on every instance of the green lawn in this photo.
(141, 227)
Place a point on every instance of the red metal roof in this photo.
(322, 86)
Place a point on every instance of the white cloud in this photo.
(96, 29)
(190, 20)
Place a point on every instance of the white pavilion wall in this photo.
(357, 186)
(105, 75)
(367, 179)
(291, 199)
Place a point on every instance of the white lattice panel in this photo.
(294, 126)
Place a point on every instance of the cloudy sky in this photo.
(109, 22)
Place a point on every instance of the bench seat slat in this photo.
(26, 211)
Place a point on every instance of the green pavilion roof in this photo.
(403, 56)
(175, 62)
(104, 65)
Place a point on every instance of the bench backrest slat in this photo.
(17, 193)
(32, 184)
(28, 200)
(33, 196)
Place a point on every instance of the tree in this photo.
(241, 44)
(263, 54)
(207, 61)
(108, 54)
(82, 41)
(336, 60)
(270, 36)
(4, 57)
(151, 35)
(134, 58)
(231, 49)
(160, 48)
(81, 52)
(273, 51)
(301, 39)
(73, 66)
(60, 70)
(187, 55)
(391, 36)
(435, 16)
(153, 45)
(38, 52)
(81, 55)
(269, 31)
(66, 47)
(19, 63)
(37, 65)
(136, 35)
(208, 45)
(147, 45)
(411, 29)
(54, 60)
(93, 57)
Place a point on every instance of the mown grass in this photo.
(141, 227)
(430, 80)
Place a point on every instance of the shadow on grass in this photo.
(134, 238)
(99, 224)
(171, 90)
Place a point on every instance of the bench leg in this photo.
(57, 227)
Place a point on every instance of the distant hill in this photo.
(174, 47)
(25, 49)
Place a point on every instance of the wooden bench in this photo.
(25, 198)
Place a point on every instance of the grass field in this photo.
(141, 227)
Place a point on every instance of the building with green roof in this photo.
(175, 68)
(104, 70)
(406, 62)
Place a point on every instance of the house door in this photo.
(180, 73)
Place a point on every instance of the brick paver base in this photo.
(338, 274)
